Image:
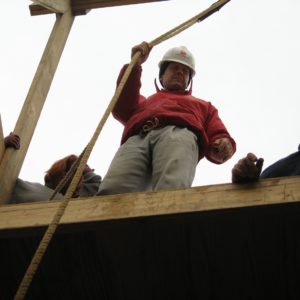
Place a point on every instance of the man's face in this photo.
(175, 77)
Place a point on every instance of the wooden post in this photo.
(12, 161)
(2, 147)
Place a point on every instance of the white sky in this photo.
(248, 66)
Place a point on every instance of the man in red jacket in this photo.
(166, 134)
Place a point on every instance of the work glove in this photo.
(247, 169)
(221, 150)
(144, 48)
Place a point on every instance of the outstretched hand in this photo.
(247, 169)
(12, 141)
(144, 48)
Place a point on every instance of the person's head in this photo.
(176, 69)
(57, 172)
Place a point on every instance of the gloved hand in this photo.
(144, 48)
(12, 141)
(247, 169)
(221, 150)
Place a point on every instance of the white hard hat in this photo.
(181, 55)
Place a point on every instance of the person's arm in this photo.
(130, 95)
(221, 145)
(247, 169)
(221, 150)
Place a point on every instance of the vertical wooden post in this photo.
(2, 147)
(12, 160)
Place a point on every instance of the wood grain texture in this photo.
(12, 161)
(123, 206)
(81, 7)
(55, 6)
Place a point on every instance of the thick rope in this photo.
(83, 158)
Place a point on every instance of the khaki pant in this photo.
(165, 158)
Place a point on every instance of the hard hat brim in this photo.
(177, 61)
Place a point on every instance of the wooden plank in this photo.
(91, 4)
(196, 199)
(234, 254)
(12, 161)
(2, 146)
(37, 10)
(55, 6)
(81, 7)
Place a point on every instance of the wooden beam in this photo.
(37, 10)
(198, 199)
(91, 4)
(2, 146)
(81, 7)
(12, 161)
(55, 6)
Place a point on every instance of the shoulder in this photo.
(26, 191)
(287, 166)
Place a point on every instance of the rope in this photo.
(81, 162)
(67, 177)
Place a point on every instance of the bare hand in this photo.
(247, 169)
(144, 48)
(12, 141)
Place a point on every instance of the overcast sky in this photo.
(247, 61)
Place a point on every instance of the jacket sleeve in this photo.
(130, 95)
(91, 184)
(25, 191)
(215, 129)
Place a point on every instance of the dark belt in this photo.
(149, 125)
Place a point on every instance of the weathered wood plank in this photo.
(81, 7)
(236, 254)
(90, 4)
(2, 147)
(197, 199)
(12, 160)
(55, 6)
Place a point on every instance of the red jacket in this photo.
(180, 109)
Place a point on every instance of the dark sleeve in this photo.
(25, 191)
(288, 166)
(91, 184)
